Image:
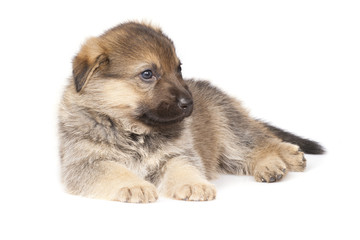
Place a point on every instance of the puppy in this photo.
(131, 127)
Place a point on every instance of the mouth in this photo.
(153, 118)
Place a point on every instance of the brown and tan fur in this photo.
(127, 138)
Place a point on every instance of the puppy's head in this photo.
(132, 71)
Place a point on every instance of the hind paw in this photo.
(293, 157)
(270, 170)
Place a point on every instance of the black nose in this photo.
(185, 103)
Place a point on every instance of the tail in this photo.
(306, 145)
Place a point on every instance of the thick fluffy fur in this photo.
(127, 137)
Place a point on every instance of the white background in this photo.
(292, 63)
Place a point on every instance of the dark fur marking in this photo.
(134, 137)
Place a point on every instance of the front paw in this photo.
(194, 192)
(141, 193)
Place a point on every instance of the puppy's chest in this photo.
(127, 146)
(144, 153)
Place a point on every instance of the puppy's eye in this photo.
(147, 75)
(179, 68)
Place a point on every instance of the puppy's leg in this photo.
(184, 181)
(272, 161)
(107, 180)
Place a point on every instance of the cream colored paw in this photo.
(194, 192)
(145, 193)
(293, 157)
(270, 170)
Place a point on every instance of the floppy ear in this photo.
(87, 62)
